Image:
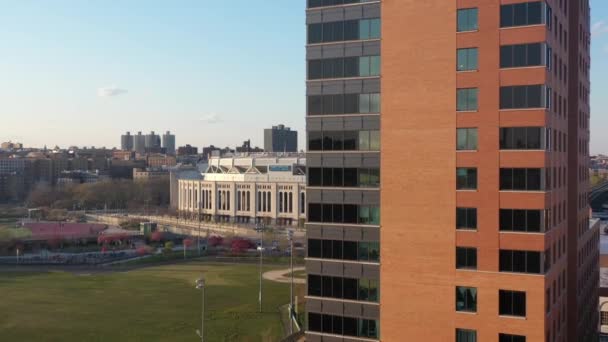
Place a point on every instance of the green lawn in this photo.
(150, 304)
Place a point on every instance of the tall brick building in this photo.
(447, 171)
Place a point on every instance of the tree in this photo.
(168, 247)
(215, 241)
(157, 236)
(239, 245)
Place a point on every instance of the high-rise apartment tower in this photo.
(447, 171)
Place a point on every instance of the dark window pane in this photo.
(506, 179)
(520, 15)
(506, 97)
(506, 261)
(351, 103)
(327, 213)
(337, 213)
(519, 261)
(519, 220)
(314, 248)
(315, 105)
(314, 322)
(519, 97)
(314, 176)
(350, 250)
(519, 179)
(533, 179)
(506, 219)
(534, 138)
(350, 140)
(533, 262)
(534, 13)
(351, 287)
(534, 54)
(350, 177)
(350, 213)
(533, 220)
(506, 56)
(351, 67)
(315, 141)
(315, 69)
(506, 16)
(519, 54)
(315, 212)
(534, 96)
(327, 249)
(314, 285)
(315, 33)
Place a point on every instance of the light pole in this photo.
(260, 228)
(290, 236)
(200, 285)
(198, 238)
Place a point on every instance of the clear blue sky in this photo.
(212, 72)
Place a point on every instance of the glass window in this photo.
(364, 140)
(374, 106)
(364, 29)
(515, 97)
(374, 140)
(466, 258)
(467, 59)
(364, 66)
(364, 103)
(467, 19)
(466, 139)
(374, 66)
(519, 261)
(466, 218)
(314, 176)
(466, 99)
(314, 248)
(374, 28)
(512, 303)
(529, 13)
(521, 138)
(511, 338)
(466, 299)
(466, 178)
(466, 335)
(314, 285)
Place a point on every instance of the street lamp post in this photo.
(260, 228)
(290, 236)
(198, 239)
(200, 285)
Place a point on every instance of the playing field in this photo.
(149, 304)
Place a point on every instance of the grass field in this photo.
(149, 304)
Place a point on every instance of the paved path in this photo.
(282, 276)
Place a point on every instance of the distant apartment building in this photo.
(126, 142)
(187, 150)
(160, 160)
(123, 155)
(11, 146)
(243, 189)
(149, 174)
(152, 141)
(280, 139)
(139, 143)
(246, 148)
(168, 143)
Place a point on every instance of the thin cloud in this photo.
(211, 118)
(110, 91)
(599, 28)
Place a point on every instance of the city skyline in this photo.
(86, 73)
